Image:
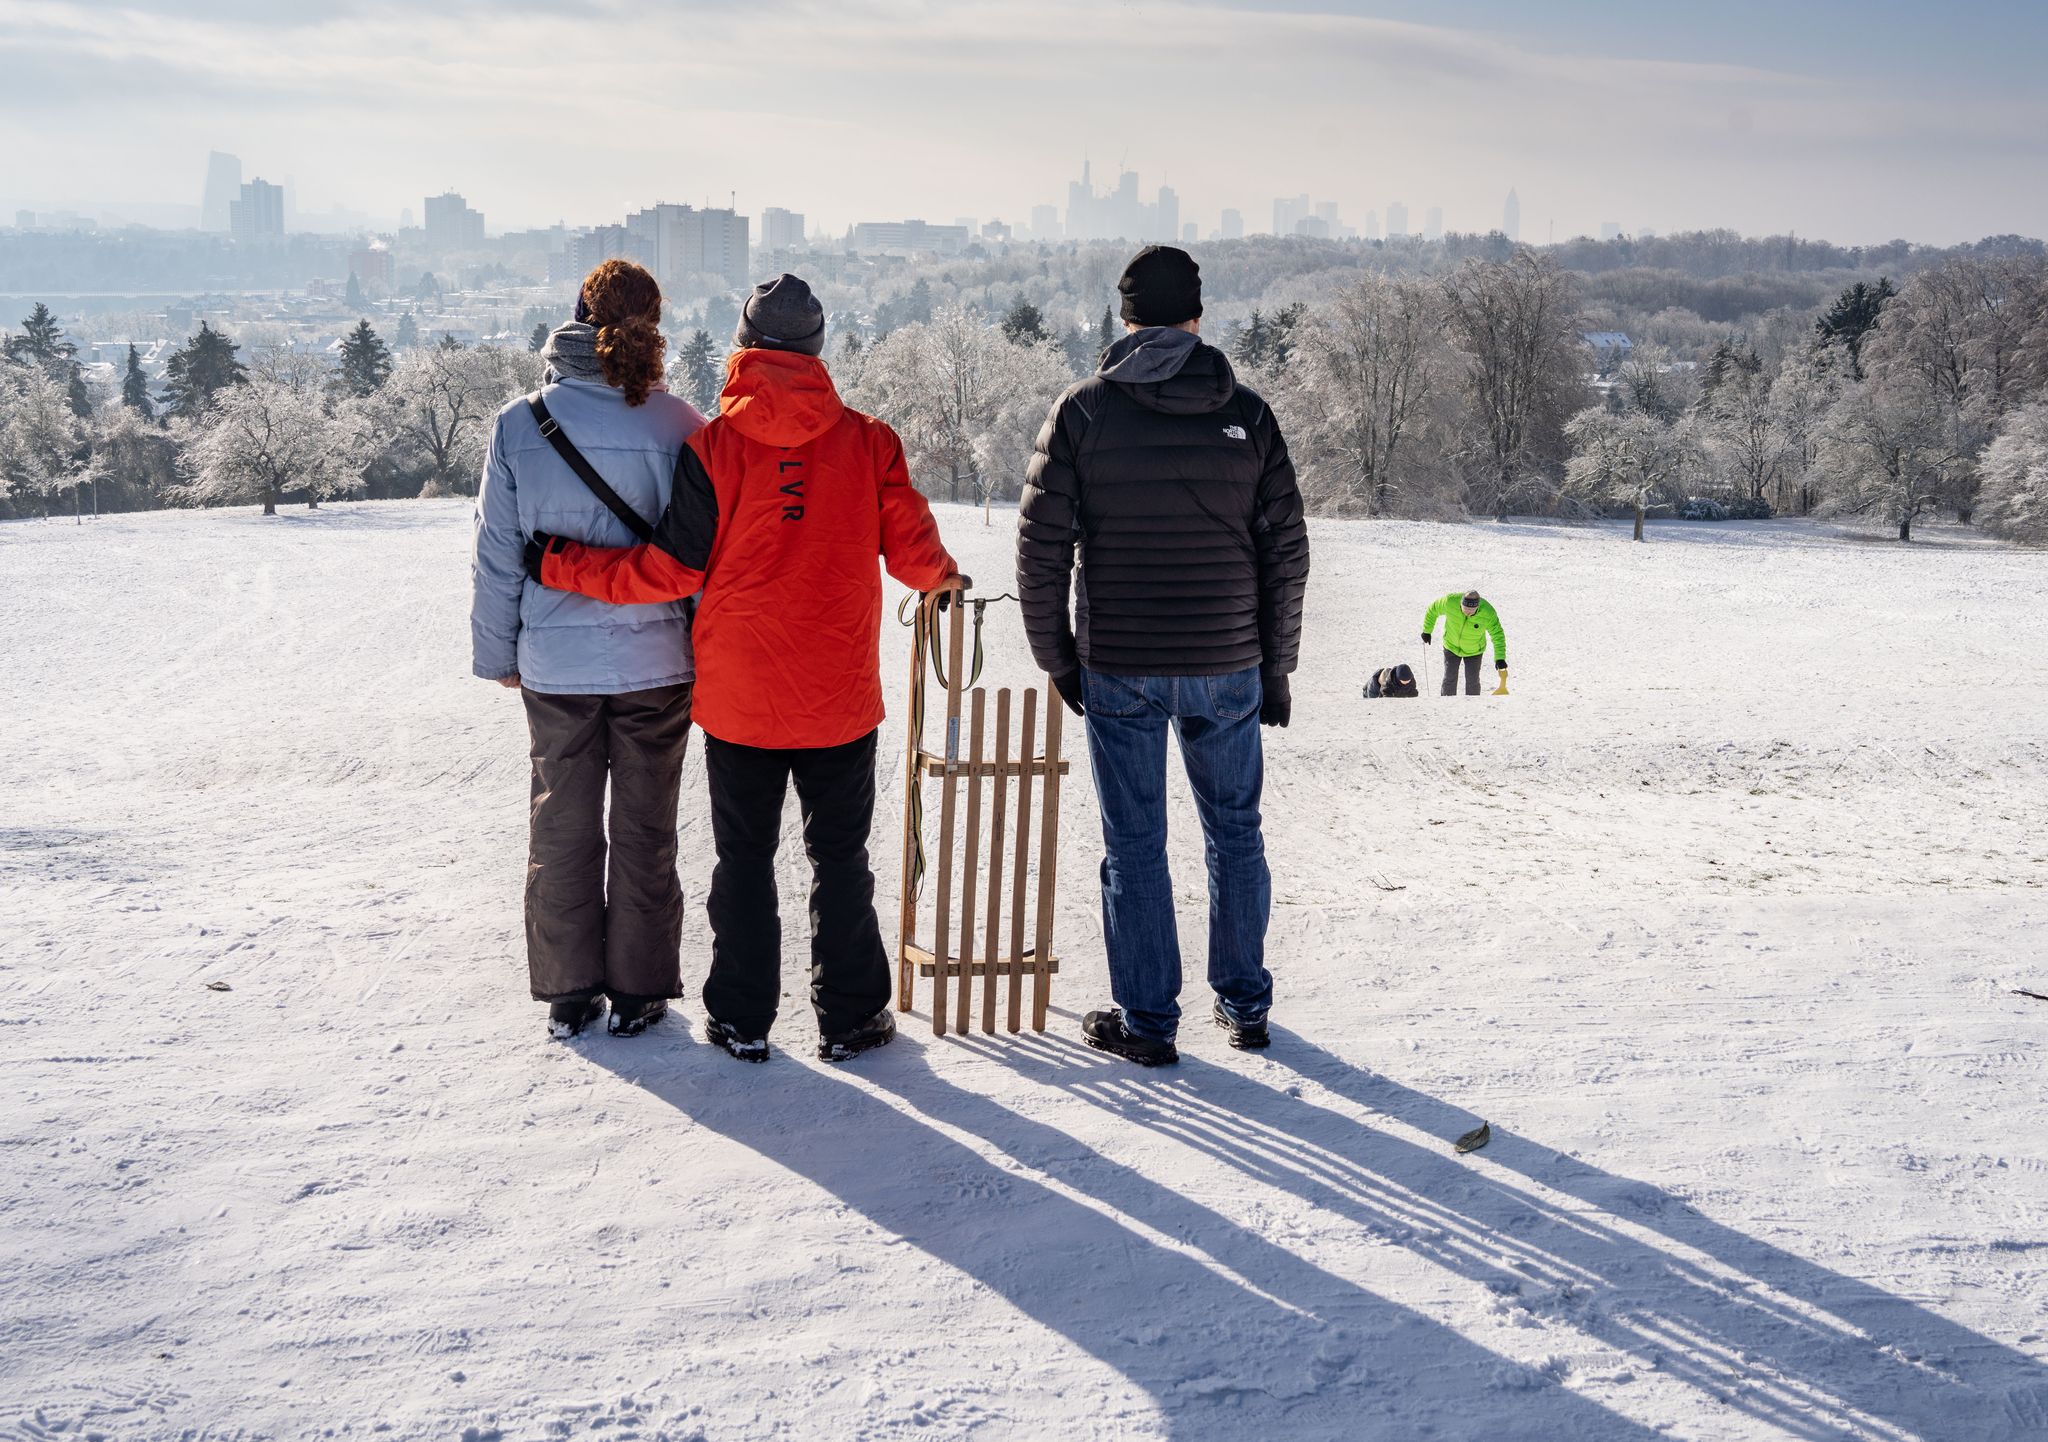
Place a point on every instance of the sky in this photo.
(1856, 122)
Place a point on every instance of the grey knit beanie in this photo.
(782, 314)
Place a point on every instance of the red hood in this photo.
(778, 397)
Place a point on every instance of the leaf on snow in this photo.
(1473, 1140)
(218, 986)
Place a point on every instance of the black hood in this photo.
(1168, 369)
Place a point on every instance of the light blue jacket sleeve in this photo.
(497, 568)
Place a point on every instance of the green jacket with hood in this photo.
(1466, 635)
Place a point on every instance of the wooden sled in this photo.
(968, 945)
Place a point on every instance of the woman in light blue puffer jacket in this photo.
(607, 688)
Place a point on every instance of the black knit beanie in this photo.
(782, 314)
(1161, 286)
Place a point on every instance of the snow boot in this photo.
(568, 1017)
(1105, 1031)
(1244, 1035)
(877, 1030)
(632, 1015)
(735, 1041)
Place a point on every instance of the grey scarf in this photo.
(571, 354)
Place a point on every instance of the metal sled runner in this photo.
(968, 945)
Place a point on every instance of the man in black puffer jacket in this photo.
(1174, 483)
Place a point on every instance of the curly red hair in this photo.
(625, 305)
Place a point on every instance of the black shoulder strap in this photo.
(586, 472)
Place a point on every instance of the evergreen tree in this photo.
(1852, 317)
(919, 308)
(849, 346)
(1105, 336)
(365, 361)
(539, 337)
(42, 342)
(1286, 322)
(408, 334)
(135, 388)
(354, 299)
(1254, 345)
(200, 369)
(698, 362)
(1024, 325)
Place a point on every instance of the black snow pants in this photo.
(835, 790)
(598, 917)
(1451, 660)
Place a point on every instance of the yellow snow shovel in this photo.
(1502, 688)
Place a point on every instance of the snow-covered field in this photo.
(1717, 919)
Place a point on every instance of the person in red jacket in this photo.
(780, 506)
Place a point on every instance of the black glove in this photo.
(1425, 638)
(946, 597)
(1278, 707)
(538, 547)
(1068, 688)
(1500, 665)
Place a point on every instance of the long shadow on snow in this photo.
(1231, 1335)
(1828, 1356)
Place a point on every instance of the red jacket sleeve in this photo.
(911, 547)
(622, 575)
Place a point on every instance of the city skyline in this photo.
(892, 110)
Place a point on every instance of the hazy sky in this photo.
(1853, 121)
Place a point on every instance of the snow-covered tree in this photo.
(1887, 449)
(272, 435)
(198, 371)
(1742, 432)
(45, 447)
(2013, 500)
(1369, 364)
(697, 373)
(439, 404)
(1629, 458)
(365, 362)
(966, 400)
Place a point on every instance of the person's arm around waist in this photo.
(668, 568)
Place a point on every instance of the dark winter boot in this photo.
(877, 1030)
(632, 1015)
(1244, 1035)
(568, 1017)
(1105, 1031)
(734, 1040)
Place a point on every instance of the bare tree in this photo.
(1887, 448)
(45, 448)
(273, 435)
(1631, 458)
(1742, 431)
(1516, 321)
(2014, 500)
(439, 403)
(1369, 366)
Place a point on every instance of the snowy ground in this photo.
(1717, 920)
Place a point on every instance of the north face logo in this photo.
(1236, 433)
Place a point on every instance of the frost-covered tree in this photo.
(1853, 316)
(198, 371)
(965, 399)
(45, 447)
(1887, 449)
(2013, 500)
(1025, 325)
(408, 333)
(273, 435)
(1369, 364)
(137, 459)
(1628, 458)
(1741, 431)
(698, 370)
(1516, 323)
(41, 343)
(1807, 387)
(439, 404)
(365, 362)
(135, 387)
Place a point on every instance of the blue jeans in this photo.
(1217, 720)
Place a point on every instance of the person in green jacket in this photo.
(1468, 620)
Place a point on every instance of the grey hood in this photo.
(1168, 369)
(571, 353)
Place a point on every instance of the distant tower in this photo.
(1511, 216)
(1397, 220)
(1433, 223)
(223, 188)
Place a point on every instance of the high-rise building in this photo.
(451, 224)
(781, 229)
(373, 269)
(1433, 223)
(1188, 233)
(1232, 225)
(1511, 216)
(1289, 212)
(258, 212)
(1326, 212)
(1610, 230)
(1397, 220)
(909, 237)
(1120, 214)
(1313, 226)
(606, 242)
(1165, 217)
(1372, 225)
(223, 188)
(678, 242)
(1045, 222)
